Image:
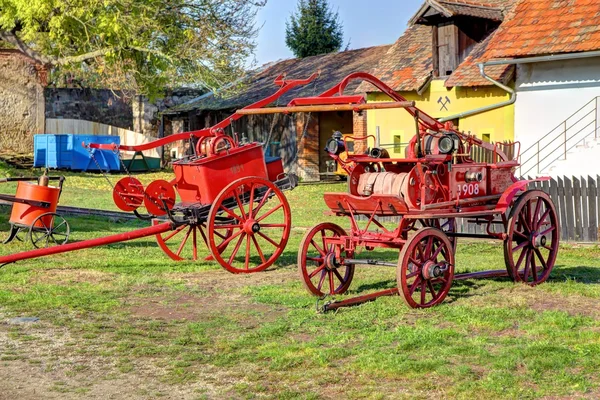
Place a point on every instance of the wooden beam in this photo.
(325, 108)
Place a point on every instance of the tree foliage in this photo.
(141, 45)
(314, 29)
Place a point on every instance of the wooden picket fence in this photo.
(577, 202)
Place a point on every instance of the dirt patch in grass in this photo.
(223, 280)
(66, 276)
(196, 308)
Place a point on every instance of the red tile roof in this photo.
(408, 63)
(467, 74)
(548, 27)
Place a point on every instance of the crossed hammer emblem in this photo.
(444, 102)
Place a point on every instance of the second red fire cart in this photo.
(426, 191)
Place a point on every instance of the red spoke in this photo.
(524, 236)
(518, 264)
(417, 263)
(201, 229)
(527, 266)
(187, 235)
(315, 259)
(412, 274)
(247, 251)
(533, 268)
(268, 239)
(423, 293)
(525, 243)
(414, 285)
(231, 213)
(270, 212)
(323, 239)
(260, 253)
(548, 247)
(429, 248)
(524, 221)
(322, 252)
(175, 232)
(230, 238)
(331, 283)
(431, 290)
(262, 201)
(437, 252)
(236, 248)
(439, 280)
(250, 211)
(322, 280)
(547, 231)
(544, 216)
(541, 258)
(239, 203)
(335, 271)
(316, 271)
(538, 204)
(194, 244)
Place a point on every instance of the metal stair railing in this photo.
(559, 141)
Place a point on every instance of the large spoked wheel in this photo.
(322, 266)
(49, 229)
(531, 245)
(181, 243)
(425, 268)
(258, 216)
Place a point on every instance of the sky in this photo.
(365, 23)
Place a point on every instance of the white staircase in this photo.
(572, 148)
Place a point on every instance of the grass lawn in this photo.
(124, 321)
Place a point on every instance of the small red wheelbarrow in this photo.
(34, 211)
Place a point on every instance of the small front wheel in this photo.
(426, 268)
(322, 265)
(49, 229)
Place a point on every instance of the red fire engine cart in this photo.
(426, 191)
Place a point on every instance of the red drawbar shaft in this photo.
(86, 244)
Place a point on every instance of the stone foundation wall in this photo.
(96, 105)
(21, 101)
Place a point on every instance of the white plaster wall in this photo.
(550, 92)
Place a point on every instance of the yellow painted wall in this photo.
(498, 123)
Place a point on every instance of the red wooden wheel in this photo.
(531, 245)
(182, 243)
(322, 266)
(259, 218)
(425, 268)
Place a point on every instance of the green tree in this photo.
(141, 45)
(313, 29)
